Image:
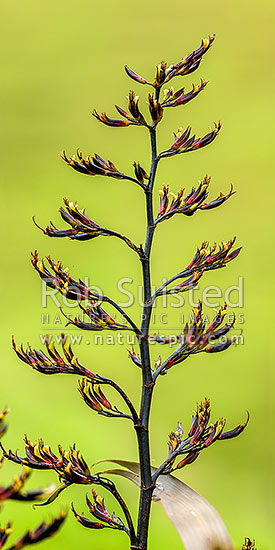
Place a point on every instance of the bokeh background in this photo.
(59, 60)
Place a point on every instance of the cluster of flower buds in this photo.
(94, 397)
(208, 257)
(16, 491)
(99, 320)
(59, 279)
(82, 228)
(53, 363)
(187, 65)
(92, 166)
(99, 511)
(41, 532)
(189, 204)
(200, 436)
(69, 465)
(249, 544)
(134, 115)
(205, 259)
(196, 338)
(174, 99)
(3, 426)
(183, 143)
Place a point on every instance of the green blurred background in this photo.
(59, 60)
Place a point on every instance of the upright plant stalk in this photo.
(195, 337)
(147, 486)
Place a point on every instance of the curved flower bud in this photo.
(132, 74)
(111, 121)
(236, 431)
(189, 204)
(174, 99)
(87, 522)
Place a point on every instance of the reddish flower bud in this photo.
(135, 76)
(140, 173)
(111, 121)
